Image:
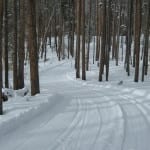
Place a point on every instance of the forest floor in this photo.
(71, 114)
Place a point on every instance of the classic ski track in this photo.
(61, 138)
(136, 102)
(122, 109)
(125, 97)
(100, 120)
(84, 118)
(90, 85)
(124, 123)
(99, 129)
(69, 133)
(74, 116)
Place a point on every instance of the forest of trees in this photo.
(26, 27)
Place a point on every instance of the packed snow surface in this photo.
(71, 114)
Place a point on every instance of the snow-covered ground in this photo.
(72, 114)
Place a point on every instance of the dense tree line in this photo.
(26, 27)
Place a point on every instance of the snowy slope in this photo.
(71, 114)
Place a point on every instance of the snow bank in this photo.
(10, 121)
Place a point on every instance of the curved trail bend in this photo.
(84, 117)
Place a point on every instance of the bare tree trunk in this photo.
(118, 35)
(114, 35)
(72, 30)
(97, 30)
(108, 38)
(60, 37)
(103, 45)
(55, 31)
(78, 39)
(83, 41)
(33, 52)
(6, 42)
(146, 36)
(1, 22)
(89, 35)
(15, 54)
(21, 49)
(129, 36)
(137, 37)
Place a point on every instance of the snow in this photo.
(71, 114)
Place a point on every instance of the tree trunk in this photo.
(137, 37)
(21, 49)
(97, 30)
(15, 54)
(83, 41)
(89, 35)
(108, 38)
(1, 22)
(146, 37)
(33, 52)
(78, 39)
(103, 45)
(6, 42)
